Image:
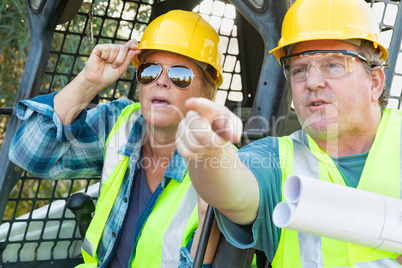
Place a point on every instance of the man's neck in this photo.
(346, 145)
(353, 142)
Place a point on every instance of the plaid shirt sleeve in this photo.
(46, 148)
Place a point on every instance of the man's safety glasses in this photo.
(180, 76)
(328, 63)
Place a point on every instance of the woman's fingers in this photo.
(109, 61)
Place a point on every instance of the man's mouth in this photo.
(318, 103)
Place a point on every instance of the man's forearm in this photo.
(227, 184)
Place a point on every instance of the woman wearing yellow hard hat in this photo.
(147, 209)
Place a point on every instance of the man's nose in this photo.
(314, 79)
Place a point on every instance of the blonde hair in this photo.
(208, 83)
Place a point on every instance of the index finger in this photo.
(206, 108)
(132, 44)
(223, 122)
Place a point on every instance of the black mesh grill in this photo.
(390, 18)
(115, 22)
(37, 226)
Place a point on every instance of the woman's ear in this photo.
(377, 83)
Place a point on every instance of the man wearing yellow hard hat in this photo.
(147, 213)
(333, 60)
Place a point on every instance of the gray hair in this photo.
(373, 56)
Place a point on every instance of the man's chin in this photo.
(321, 128)
(322, 131)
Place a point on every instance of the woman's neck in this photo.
(160, 143)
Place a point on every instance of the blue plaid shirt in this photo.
(46, 148)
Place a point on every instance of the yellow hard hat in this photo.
(308, 20)
(185, 33)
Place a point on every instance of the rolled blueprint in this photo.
(339, 212)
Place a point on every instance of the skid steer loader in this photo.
(37, 228)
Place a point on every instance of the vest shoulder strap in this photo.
(304, 162)
(117, 138)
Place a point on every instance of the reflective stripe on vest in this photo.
(177, 228)
(118, 136)
(160, 246)
(305, 163)
(309, 160)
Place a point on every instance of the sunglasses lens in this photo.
(180, 76)
(148, 73)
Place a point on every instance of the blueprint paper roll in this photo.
(339, 212)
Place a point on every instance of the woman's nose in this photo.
(163, 79)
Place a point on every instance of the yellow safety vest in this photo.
(174, 215)
(381, 174)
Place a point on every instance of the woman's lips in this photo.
(159, 101)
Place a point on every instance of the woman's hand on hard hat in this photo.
(105, 65)
(206, 128)
(109, 61)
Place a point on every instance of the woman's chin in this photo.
(162, 121)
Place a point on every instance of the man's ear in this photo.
(377, 83)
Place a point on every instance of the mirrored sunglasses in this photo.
(328, 63)
(179, 75)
